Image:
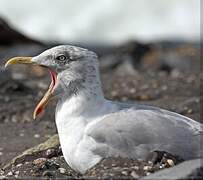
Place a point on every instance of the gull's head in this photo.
(64, 62)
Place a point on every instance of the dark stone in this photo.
(187, 170)
(9, 36)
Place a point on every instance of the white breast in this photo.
(73, 119)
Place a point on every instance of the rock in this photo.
(147, 168)
(10, 173)
(50, 153)
(134, 175)
(62, 170)
(48, 173)
(3, 178)
(170, 163)
(19, 165)
(39, 162)
(188, 169)
(52, 142)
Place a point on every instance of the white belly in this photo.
(76, 146)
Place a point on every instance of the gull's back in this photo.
(135, 131)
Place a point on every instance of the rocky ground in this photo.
(164, 74)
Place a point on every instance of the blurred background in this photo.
(104, 21)
(149, 51)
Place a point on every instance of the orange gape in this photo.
(42, 104)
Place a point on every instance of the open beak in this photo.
(48, 95)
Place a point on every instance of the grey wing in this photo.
(137, 131)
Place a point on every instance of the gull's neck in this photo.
(82, 90)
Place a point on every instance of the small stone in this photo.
(50, 153)
(124, 173)
(144, 97)
(147, 168)
(1, 149)
(164, 88)
(62, 170)
(47, 173)
(170, 162)
(113, 165)
(134, 175)
(19, 165)
(136, 167)
(189, 111)
(40, 162)
(10, 173)
(17, 172)
(132, 90)
(114, 93)
(27, 163)
(36, 135)
(1, 153)
(124, 98)
(52, 164)
(21, 134)
(14, 118)
(148, 173)
(1, 172)
(16, 176)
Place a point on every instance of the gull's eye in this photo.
(61, 57)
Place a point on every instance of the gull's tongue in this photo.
(53, 79)
(41, 105)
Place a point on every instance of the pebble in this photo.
(47, 173)
(50, 153)
(1, 153)
(124, 98)
(147, 168)
(134, 175)
(62, 170)
(113, 165)
(18, 165)
(17, 172)
(21, 134)
(132, 90)
(10, 173)
(3, 177)
(124, 173)
(36, 135)
(114, 93)
(148, 173)
(164, 87)
(190, 111)
(1, 172)
(52, 164)
(170, 162)
(40, 162)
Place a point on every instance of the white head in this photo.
(73, 70)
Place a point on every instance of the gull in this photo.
(91, 127)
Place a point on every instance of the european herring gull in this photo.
(91, 127)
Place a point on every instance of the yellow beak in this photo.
(42, 104)
(19, 60)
